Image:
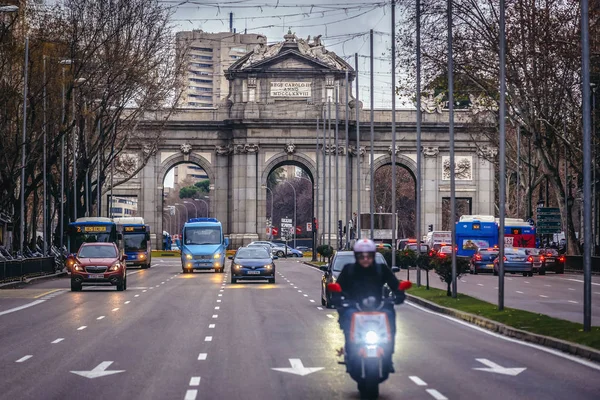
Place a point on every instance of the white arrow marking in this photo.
(99, 371)
(497, 369)
(298, 368)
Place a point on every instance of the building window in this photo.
(235, 57)
(194, 104)
(201, 89)
(199, 96)
(199, 65)
(201, 48)
(201, 80)
(198, 57)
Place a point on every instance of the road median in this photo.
(530, 327)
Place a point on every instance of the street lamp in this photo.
(205, 203)
(187, 216)
(270, 227)
(195, 208)
(62, 156)
(294, 225)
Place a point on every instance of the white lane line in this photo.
(299, 291)
(127, 302)
(545, 297)
(319, 308)
(137, 295)
(211, 326)
(100, 317)
(33, 303)
(218, 301)
(190, 394)
(221, 290)
(571, 289)
(578, 280)
(195, 381)
(479, 284)
(510, 279)
(463, 281)
(291, 284)
(208, 339)
(116, 309)
(312, 301)
(596, 292)
(436, 395)
(81, 328)
(330, 316)
(215, 316)
(60, 339)
(418, 381)
(305, 295)
(548, 285)
(573, 301)
(144, 291)
(217, 308)
(526, 281)
(151, 287)
(518, 291)
(295, 287)
(162, 283)
(202, 356)
(557, 353)
(220, 295)
(23, 359)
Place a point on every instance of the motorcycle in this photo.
(368, 352)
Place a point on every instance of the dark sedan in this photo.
(483, 260)
(333, 270)
(552, 262)
(252, 263)
(516, 260)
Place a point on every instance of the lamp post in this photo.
(205, 204)
(271, 226)
(23, 147)
(195, 208)
(45, 167)
(187, 216)
(62, 155)
(294, 225)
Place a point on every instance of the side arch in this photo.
(298, 159)
(179, 158)
(401, 160)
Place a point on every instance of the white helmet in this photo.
(365, 246)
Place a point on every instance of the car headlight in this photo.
(142, 256)
(217, 255)
(269, 266)
(371, 337)
(237, 266)
(77, 267)
(115, 267)
(188, 257)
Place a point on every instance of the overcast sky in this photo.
(344, 25)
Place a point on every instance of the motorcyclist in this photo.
(363, 279)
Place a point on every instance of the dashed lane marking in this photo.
(320, 308)
(573, 301)
(211, 326)
(127, 302)
(548, 285)
(305, 295)
(144, 291)
(220, 295)
(60, 339)
(81, 328)
(195, 381)
(312, 301)
(217, 308)
(418, 381)
(23, 359)
(208, 339)
(137, 295)
(518, 291)
(571, 289)
(215, 316)
(190, 394)
(526, 281)
(436, 395)
(330, 316)
(116, 309)
(545, 297)
(100, 317)
(218, 301)
(202, 356)
(480, 284)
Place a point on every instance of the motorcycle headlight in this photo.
(371, 337)
(114, 267)
(188, 257)
(217, 255)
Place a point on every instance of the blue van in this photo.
(203, 245)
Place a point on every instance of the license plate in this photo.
(253, 272)
(96, 276)
(490, 265)
(550, 259)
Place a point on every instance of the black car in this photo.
(252, 263)
(483, 260)
(333, 270)
(552, 262)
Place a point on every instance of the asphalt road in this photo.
(174, 336)
(559, 296)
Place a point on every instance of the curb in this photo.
(28, 280)
(558, 344)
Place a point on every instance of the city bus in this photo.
(136, 241)
(474, 232)
(518, 233)
(90, 230)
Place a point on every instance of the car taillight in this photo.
(504, 258)
(530, 259)
(542, 258)
(561, 258)
(478, 257)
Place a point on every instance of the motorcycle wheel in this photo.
(368, 390)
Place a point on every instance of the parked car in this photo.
(538, 259)
(252, 263)
(483, 260)
(553, 261)
(515, 260)
(333, 270)
(386, 246)
(303, 248)
(99, 263)
(280, 250)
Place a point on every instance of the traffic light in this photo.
(340, 227)
(430, 228)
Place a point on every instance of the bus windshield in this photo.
(79, 238)
(202, 235)
(135, 241)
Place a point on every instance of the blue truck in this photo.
(136, 241)
(203, 245)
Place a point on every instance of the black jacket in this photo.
(359, 283)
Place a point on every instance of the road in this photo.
(174, 336)
(559, 296)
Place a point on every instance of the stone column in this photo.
(220, 194)
(485, 196)
(150, 202)
(430, 201)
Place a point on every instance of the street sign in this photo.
(286, 221)
(275, 231)
(298, 230)
(549, 220)
(308, 227)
